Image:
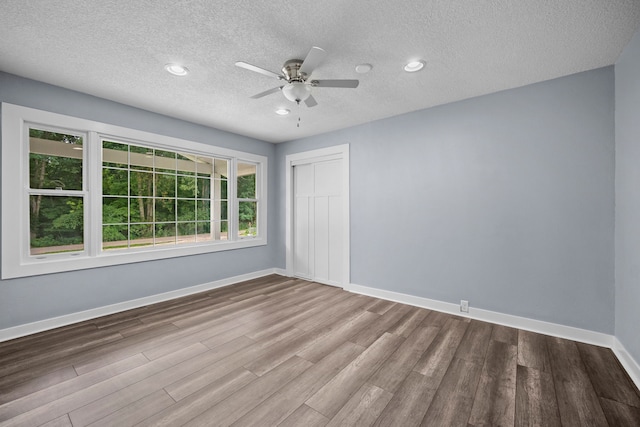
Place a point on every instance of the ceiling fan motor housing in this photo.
(291, 70)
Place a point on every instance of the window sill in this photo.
(59, 264)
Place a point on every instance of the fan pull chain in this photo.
(298, 124)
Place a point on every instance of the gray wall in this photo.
(506, 200)
(36, 298)
(628, 197)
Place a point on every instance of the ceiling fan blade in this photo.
(336, 83)
(314, 58)
(256, 69)
(267, 92)
(310, 101)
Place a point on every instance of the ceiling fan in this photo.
(297, 75)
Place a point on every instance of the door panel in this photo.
(321, 241)
(317, 221)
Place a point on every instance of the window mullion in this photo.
(233, 200)
(93, 186)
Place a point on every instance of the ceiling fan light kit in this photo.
(297, 73)
(296, 91)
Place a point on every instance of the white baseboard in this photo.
(629, 363)
(632, 366)
(68, 319)
(281, 272)
(553, 329)
(576, 334)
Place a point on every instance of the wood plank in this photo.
(197, 403)
(409, 403)
(76, 384)
(99, 408)
(126, 347)
(57, 349)
(396, 368)
(495, 400)
(285, 402)
(336, 336)
(363, 408)
(435, 361)
(381, 306)
(475, 342)
(505, 334)
(223, 313)
(578, 403)
(453, 401)
(135, 412)
(311, 305)
(305, 416)
(80, 398)
(330, 398)
(197, 380)
(38, 383)
(619, 414)
(319, 320)
(365, 337)
(62, 421)
(536, 403)
(220, 334)
(41, 340)
(607, 376)
(238, 404)
(437, 319)
(409, 322)
(532, 351)
(323, 340)
(39, 365)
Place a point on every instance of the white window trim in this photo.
(16, 263)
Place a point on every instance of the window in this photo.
(56, 192)
(247, 199)
(81, 194)
(154, 197)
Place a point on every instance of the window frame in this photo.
(16, 258)
(238, 200)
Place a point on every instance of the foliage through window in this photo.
(154, 197)
(247, 199)
(56, 199)
(90, 194)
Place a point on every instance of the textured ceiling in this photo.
(116, 49)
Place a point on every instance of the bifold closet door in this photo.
(317, 221)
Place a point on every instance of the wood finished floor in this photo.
(277, 351)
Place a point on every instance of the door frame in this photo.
(314, 156)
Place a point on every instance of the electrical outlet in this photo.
(464, 306)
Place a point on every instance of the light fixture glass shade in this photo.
(296, 91)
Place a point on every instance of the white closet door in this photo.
(317, 220)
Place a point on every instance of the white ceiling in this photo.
(116, 49)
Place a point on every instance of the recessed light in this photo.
(414, 66)
(363, 68)
(282, 111)
(176, 69)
